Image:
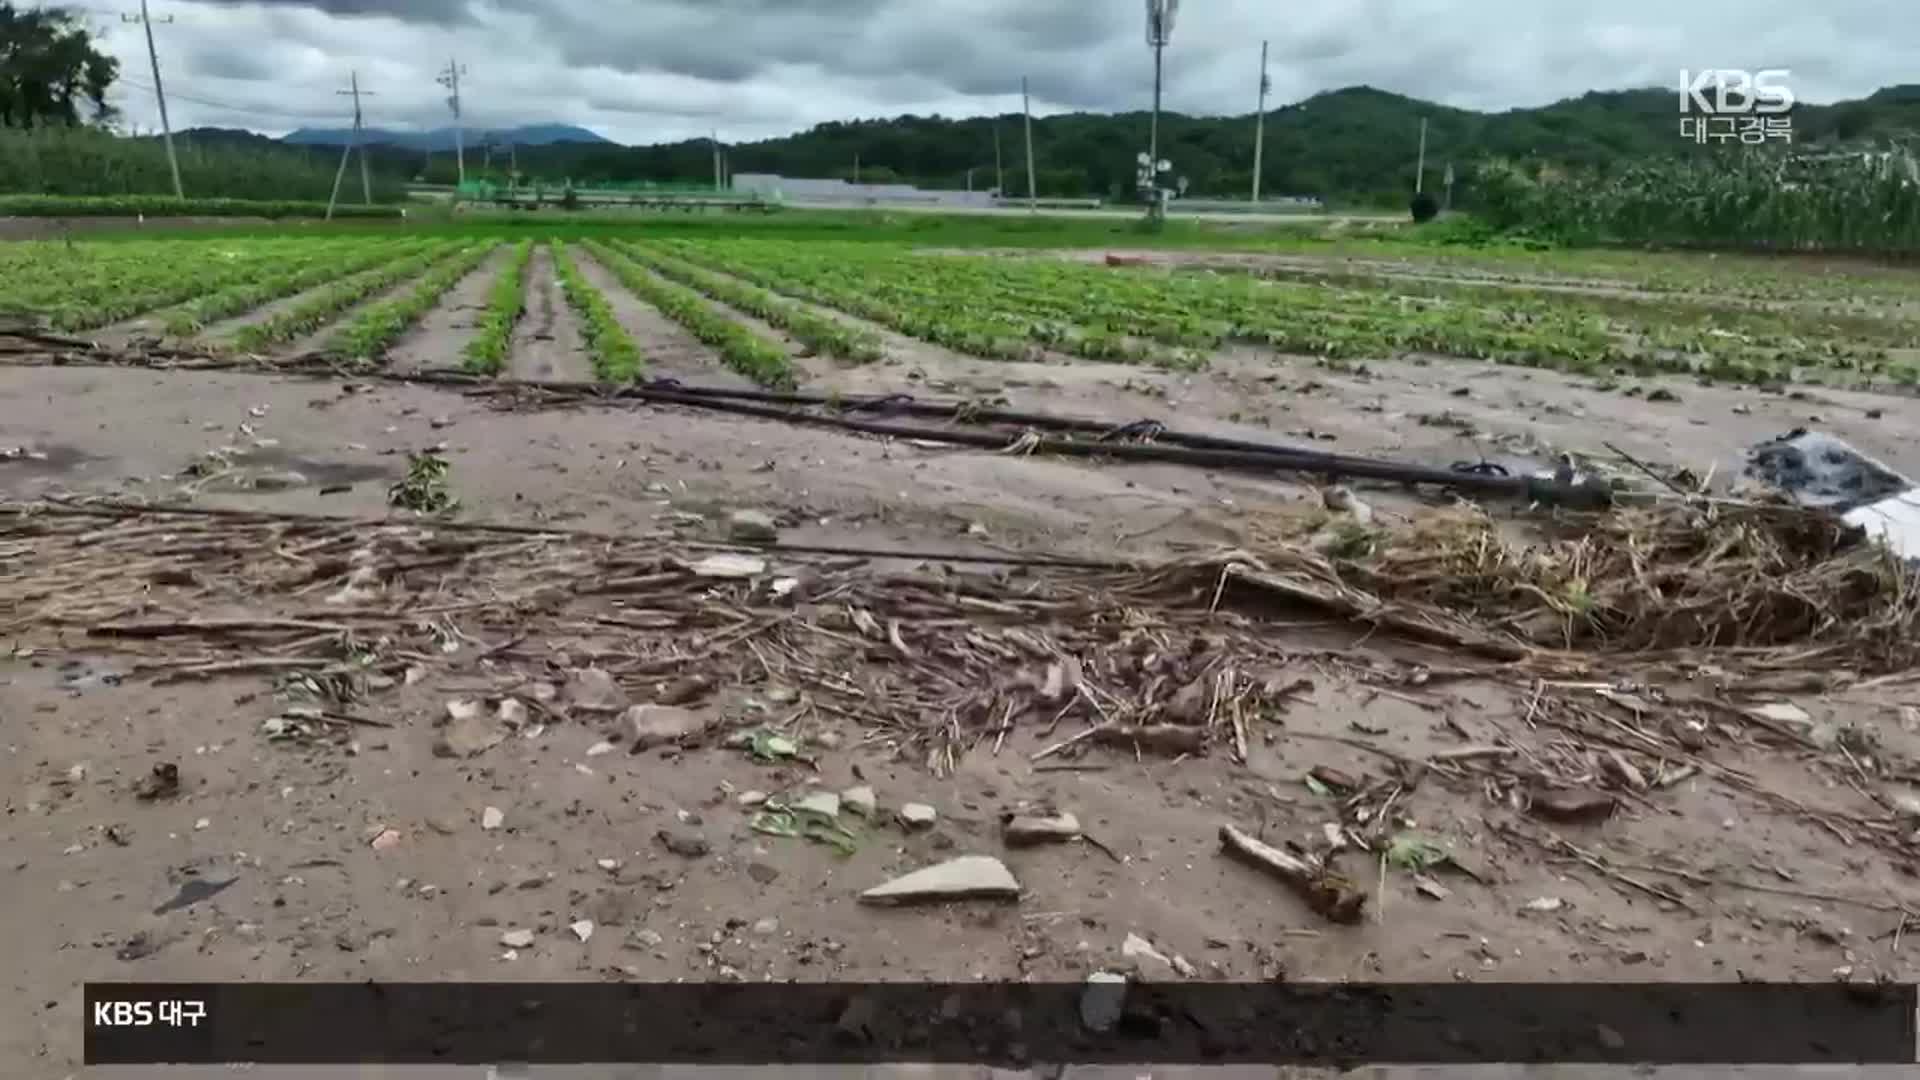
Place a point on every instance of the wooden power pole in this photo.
(1260, 124)
(1026, 109)
(159, 92)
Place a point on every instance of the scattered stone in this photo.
(762, 873)
(1545, 904)
(644, 938)
(656, 725)
(1430, 888)
(517, 939)
(750, 799)
(444, 824)
(283, 480)
(599, 748)
(511, 712)
(1144, 955)
(593, 690)
(543, 692)
(607, 864)
(826, 740)
(468, 731)
(860, 800)
(1020, 830)
(193, 892)
(767, 926)
(162, 783)
(820, 804)
(1661, 393)
(969, 877)
(439, 422)
(685, 689)
(1103, 1001)
(582, 929)
(386, 841)
(752, 526)
(491, 817)
(683, 842)
(1780, 712)
(916, 815)
(1574, 805)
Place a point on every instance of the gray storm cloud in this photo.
(658, 70)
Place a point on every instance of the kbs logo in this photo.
(1728, 103)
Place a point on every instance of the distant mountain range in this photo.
(1357, 145)
(440, 139)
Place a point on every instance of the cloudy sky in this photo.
(642, 71)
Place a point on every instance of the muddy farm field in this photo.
(491, 605)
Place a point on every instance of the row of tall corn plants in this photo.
(1762, 199)
(87, 161)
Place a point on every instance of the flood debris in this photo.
(1823, 472)
(968, 877)
(1326, 891)
(1574, 805)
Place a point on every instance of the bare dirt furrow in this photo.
(437, 339)
(547, 344)
(671, 351)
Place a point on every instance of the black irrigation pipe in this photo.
(1234, 454)
(1185, 449)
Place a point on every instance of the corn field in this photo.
(84, 161)
(1758, 200)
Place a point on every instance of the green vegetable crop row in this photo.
(373, 330)
(324, 264)
(615, 357)
(315, 311)
(821, 334)
(163, 206)
(487, 352)
(763, 361)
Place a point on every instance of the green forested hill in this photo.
(1352, 145)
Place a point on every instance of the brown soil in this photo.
(90, 866)
(436, 340)
(547, 342)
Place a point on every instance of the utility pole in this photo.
(856, 167)
(450, 78)
(166, 127)
(1026, 109)
(1420, 170)
(1446, 202)
(718, 182)
(366, 181)
(1260, 123)
(1160, 15)
(999, 178)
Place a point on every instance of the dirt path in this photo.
(547, 342)
(670, 350)
(436, 340)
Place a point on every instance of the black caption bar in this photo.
(1010, 1024)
